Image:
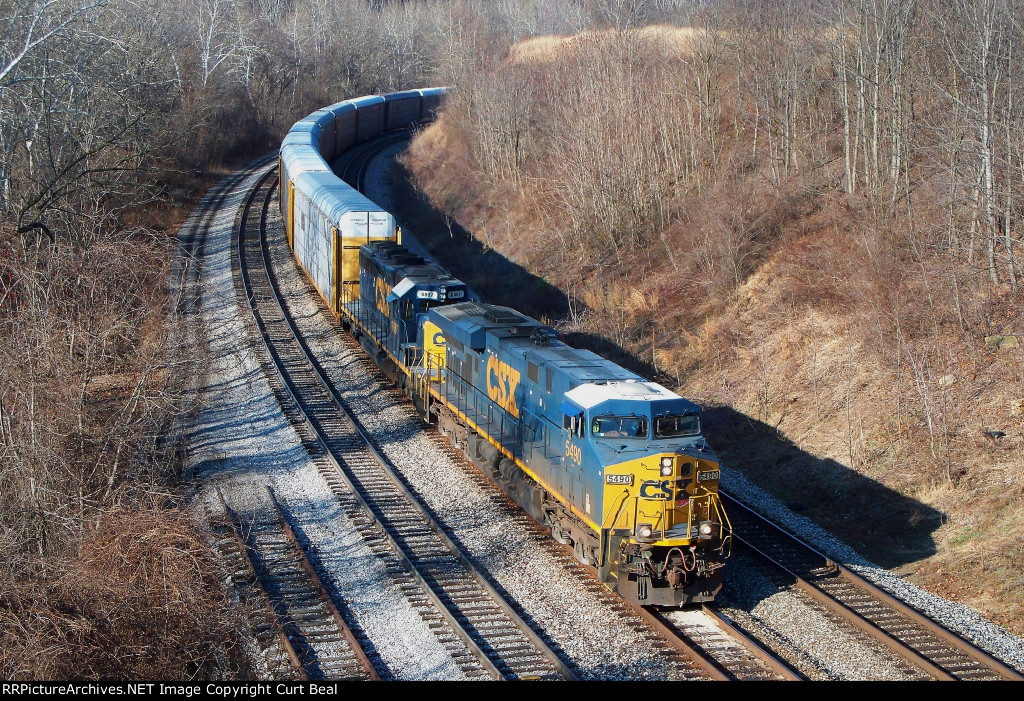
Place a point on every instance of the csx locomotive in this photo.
(616, 466)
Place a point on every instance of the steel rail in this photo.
(708, 666)
(688, 648)
(236, 529)
(339, 470)
(756, 649)
(852, 617)
(357, 650)
(861, 622)
(357, 160)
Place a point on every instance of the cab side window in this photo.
(574, 424)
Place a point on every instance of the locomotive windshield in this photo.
(676, 426)
(619, 427)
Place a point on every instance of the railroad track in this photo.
(715, 650)
(483, 632)
(354, 163)
(920, 641)
(192, 243)
(302, 628)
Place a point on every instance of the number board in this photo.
(618, 479)
(708, 476)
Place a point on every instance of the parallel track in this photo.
(466, 609)
(919, 640)
(301, 618)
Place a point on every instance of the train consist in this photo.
(616, 466)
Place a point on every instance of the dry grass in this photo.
(138, 602)
(674, 40)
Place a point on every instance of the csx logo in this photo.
(439, 340)
(501, 385)
(383, 290)
(653, 489)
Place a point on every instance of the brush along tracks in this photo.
(920, 641)
(303, 630)
(468, 616)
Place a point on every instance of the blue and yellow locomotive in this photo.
(396, 289)
(615, 465)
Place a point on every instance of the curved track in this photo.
(464, 607)
(301, 618)
(917, 639)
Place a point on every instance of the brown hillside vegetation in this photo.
(115, 116)
(812, 226)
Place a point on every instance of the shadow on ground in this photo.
(885, 526)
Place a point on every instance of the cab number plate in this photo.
(619, 479)
(456, 294)
(708, 476)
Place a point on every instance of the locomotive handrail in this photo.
(625, 500)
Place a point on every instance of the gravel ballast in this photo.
(241, 441)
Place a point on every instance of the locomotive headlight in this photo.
(666, 466)
(645, 531)
(706, 529)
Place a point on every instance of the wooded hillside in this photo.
(115, 115)
(807, 216)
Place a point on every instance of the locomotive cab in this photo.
(397, 288)
(668, 535)
(408, 303)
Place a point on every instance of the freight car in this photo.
(326, 220)
(616, 466)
